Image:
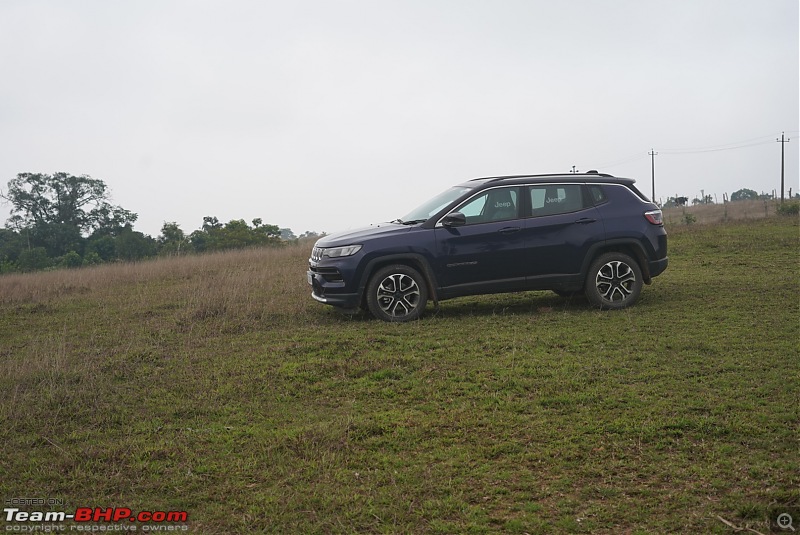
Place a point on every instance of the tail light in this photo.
(655, 217)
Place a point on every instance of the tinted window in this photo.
(598, 195)
(498, 204)
(551, 199)
(638, 193)
(434, 205)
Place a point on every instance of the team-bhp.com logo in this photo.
(113, 515)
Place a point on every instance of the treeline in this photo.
(62, 220)
(739, 195)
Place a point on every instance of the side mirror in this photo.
(454, 219)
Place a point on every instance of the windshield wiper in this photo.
(412, 222)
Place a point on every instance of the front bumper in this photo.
(325, 291)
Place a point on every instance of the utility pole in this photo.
(653, 154)
(783, 144)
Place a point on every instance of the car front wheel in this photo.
(614, 281)
(397, 293)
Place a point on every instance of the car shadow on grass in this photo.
(514, 304)
(511, 304)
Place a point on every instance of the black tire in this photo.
(614, 281)
(397, 293)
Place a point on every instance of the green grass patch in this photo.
(217, 386)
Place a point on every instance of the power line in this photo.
(719, 149)
(753, 142)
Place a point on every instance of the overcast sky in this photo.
(325, 115)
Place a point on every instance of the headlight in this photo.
(336, 252)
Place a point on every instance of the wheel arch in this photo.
(629, 247)
(413, 260)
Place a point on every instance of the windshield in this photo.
(434, 205)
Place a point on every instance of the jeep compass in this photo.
(586, 233)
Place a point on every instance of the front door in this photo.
(488, 252)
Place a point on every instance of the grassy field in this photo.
(722, 212)
(215, 385)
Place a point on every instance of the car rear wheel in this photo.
(614, 281)
(397, 293)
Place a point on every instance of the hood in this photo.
(360, 235)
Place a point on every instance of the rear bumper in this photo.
(657, 267)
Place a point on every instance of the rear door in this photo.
(563, 226)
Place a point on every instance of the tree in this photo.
(101, 246)
(132, 245)
(71, 260)
(59, 210)
(268, 234)
(11, 245)
(235, 234)
(33, 259)
(744, 195)
(172, 239)
(706, 199)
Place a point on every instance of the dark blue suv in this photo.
(577, 233)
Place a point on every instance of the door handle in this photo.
(585, 221)
(509, 230)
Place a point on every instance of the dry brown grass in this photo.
(716, 213)
(253, 283)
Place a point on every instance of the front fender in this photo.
(416, 260)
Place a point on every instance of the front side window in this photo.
(497, 204)
(552, 199)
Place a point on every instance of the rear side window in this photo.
(638, 193)
(552, 199)
(598, 195)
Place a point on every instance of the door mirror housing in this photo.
(454, 219)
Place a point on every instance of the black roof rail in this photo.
(598, 173)
(593, 172)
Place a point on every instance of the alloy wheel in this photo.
(615, 281)
(398, 295)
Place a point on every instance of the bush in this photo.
(70, 260)
(7, 266)
(92, 259)
(789, 208)
(33, 259)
